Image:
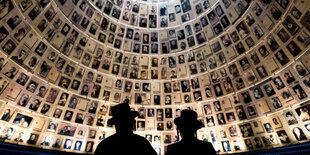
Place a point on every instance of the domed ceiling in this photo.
(242, 65)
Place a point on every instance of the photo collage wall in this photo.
(242, 65)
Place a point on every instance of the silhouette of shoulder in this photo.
(192, 146)
(121, 144)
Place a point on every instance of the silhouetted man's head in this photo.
(187, 123)
(123, 118)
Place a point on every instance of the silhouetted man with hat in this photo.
(187, 126)
(124, 141)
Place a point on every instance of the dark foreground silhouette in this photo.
(124, 141)
(125, 144)
(191, 146)
(187, 126)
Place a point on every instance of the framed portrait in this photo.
(52, 95)
(303, 112)
(283, 35)
(301, 70)
(24, 5)
(269, 140)
(258, 127)
(303, 38)
(22, 120)
(293, 48)
(3, 84)
(290, 25)
(230, 116)
(66, 129)
(210, 121)
(33, 138)
(299, 91)
(7, 113)
(52, 126)
(305, 20)
(284, 138)
(45, 109)
(290, 117)
(246, 130)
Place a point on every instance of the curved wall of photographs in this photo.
(243, 65)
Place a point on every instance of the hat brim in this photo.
(179, 122)
(132, 115)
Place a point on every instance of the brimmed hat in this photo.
(188, 120)
(122, 113)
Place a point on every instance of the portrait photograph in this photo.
(300, 69)
(283, 35)
(290, 118)
(22, 120)
(250, 78)
(299, 91)
(7, 114)
(46, 140)
(246, 130)
(24, 5)
(9, 47)
(33, 138)
(303, 38)
(284, 139)
(290, 25)
(66, 129)
(293, 48)
(303, 112)
(210, 121)
(305, 20)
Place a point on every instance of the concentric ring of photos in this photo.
(67, 62)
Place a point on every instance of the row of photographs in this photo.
(177, 37)
(147, 67)
(50, 29)
(298, 89)
(173, 14)
(193, 69)
(143, 67)
(277, 130)
(294, 78)
(118, 56)
(193, 90)
(89, 115)
(220, 93)
(31, 93)
(301, 112)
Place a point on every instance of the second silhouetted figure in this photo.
(187, 126)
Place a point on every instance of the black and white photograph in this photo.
(303, 112)
(22, 120)
(66, 129)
